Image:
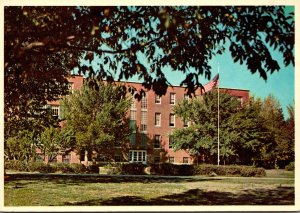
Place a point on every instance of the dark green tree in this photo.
(97, 115)
(43, 44)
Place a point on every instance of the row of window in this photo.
(140, 156)
(144, 140)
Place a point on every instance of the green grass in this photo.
(280, 173)
(67, 190)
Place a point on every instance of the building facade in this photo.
(152, 120)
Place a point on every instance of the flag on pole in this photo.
(212, 84)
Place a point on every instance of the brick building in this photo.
(154, 119)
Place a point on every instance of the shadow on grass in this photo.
(278, 196)
(71, 179)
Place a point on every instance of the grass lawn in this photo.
(95, 190)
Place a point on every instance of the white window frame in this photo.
(144, 121)
(144, 103)
(172, 120)
(157, 119)
(55, 110)
(157, 141)
(172, 98)
(137, 156)
(157, 99)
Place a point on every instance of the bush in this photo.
(171, 169)
(15, 165)
(133, 169)
(93, 169)
(290, 166)
(40, 167)
(244, 171)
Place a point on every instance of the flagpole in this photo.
(219, 116)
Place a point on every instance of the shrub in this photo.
(133, 169)
(171, 169)
(15, 165)
(93, 168)
(78, 168)
(232, 170)
(290, 166)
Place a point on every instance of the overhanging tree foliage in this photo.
(42, 44)
(97, 115)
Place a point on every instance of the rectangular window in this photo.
(132, 125)
(133, 115)
(144, 103)
(67, 158)
(171, 142)
(186, 123)
(186, 97)
(171, 160)
(157, 118)
(55, 110)
(132, 139)
(172, 119)
(172, 98)
(144, 140)
(133, 104)
(156, 159)
(185, 160)
(157, 141)
(157, 99)
(137, 156)
(143, 121)
(117, 158)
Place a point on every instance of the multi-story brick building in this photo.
(152, 120)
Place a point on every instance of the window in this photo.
(185, 160)
(156, 159)
(144, 103)
(117, 158)
(172, 98)
(67, 158)
(55, 110)
(157, 118)
(157, 99)
(186, 97)
(172, 119)
(144, 140)
(171, 141)
(144, 121)
(137, 156)
(157, 141)
(171, 160)
(133, 115)
(132, 139)
(186, 123)
(240, 100)
(133, 104)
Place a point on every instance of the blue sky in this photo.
(233, 75)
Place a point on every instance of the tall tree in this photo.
(97, 115)
(43, 44)
(202, 136)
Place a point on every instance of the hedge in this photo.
(231, 170)
(139, 169)
(171, 169)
